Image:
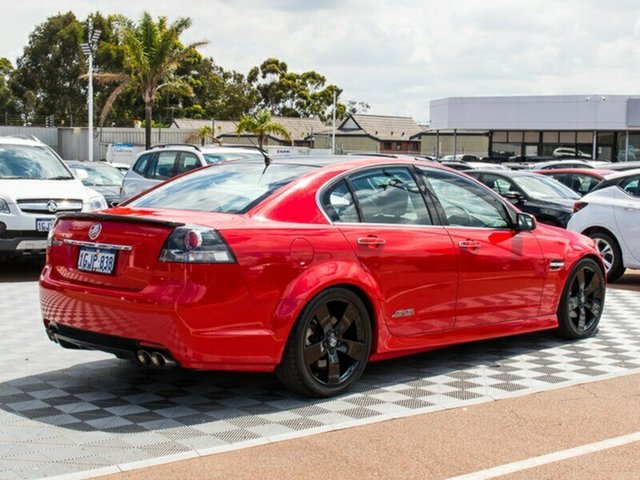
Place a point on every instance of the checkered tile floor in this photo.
(86, 413)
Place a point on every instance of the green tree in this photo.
(152, 53)
(50, 66)
(292, 94)
(217, 93)
(8, 102)
(261, 126)
(203, 135)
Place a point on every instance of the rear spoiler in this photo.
(119, 218)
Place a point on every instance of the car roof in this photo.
(504, 173)
(28, 140)
(595, 172)
(615, 178)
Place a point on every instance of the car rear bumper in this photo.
(123, 323)
(23, 243)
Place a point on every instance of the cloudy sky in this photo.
(397, 55)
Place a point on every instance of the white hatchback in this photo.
(610, 215)
(35, 186)
(166, 161)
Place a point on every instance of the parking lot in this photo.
(85, 413)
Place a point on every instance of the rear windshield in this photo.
(225, 188)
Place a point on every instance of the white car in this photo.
(610, 215)
(166, 161)
(35, 186)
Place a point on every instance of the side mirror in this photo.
(525, 222)
(515, 197)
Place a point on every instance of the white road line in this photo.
(549, 458)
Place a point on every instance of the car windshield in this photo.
(540, 187)
(97, 175)
(31, 162)
(225, 188)
(212, 158)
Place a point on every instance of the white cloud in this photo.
(398, 55)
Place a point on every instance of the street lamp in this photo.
(88, 49)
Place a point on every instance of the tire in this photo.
(329, 345)
(582, 300)
(611, 254)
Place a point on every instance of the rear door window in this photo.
(164, 166)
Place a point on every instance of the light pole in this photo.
(88, 49)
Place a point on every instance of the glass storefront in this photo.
(628, 151)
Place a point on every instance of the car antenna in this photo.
(267, 159)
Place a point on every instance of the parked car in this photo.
(463, 165)
(35, 185)
(573, 163)
(621, 166)
(101, 177)
(312, 266)
(580, 180)
(166, 161)
(610, 215)
(549, 201)
(564, 152)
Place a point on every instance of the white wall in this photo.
(556, 112)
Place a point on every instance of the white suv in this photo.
(35, 185)
(162, 162)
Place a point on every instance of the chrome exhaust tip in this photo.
(143, 357)
(158, 360)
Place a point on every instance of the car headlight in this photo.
(4, 206)
(97, 203)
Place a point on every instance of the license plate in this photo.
(44, 224)
(95, 260)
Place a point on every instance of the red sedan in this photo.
(312, 267)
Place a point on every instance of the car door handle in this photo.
(469, 244)
(371, 241)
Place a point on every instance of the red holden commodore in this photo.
(312, 267)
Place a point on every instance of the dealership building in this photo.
(606, 127)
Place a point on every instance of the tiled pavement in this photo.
(65, 412)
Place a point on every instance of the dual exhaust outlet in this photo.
(155, 359)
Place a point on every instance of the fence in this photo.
(72, 143)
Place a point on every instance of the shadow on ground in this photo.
(118, 396)
(21, 270)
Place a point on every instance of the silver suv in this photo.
(162, 162)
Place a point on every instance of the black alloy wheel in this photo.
(582, 300)
(329, 345)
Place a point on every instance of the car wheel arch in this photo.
(297, 296)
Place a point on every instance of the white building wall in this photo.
(557, 112)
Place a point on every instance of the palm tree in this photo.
(203, 134)
(261, 126)
(152, 52)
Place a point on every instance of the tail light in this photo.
(579, 206)
(194, 244)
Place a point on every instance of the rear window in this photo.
(224, 188)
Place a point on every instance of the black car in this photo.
(548, 200)
(99, 176)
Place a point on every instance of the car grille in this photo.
(49, 206)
